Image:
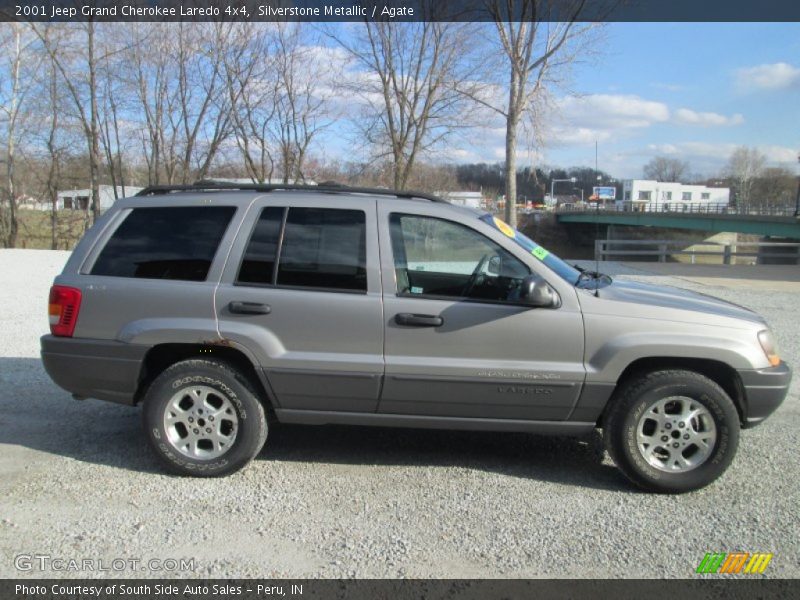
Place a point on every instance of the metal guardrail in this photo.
(767, 210)
(603, 249)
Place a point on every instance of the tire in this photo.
(671, 431)
(204, 419)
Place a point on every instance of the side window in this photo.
(165, 243)
(434, 257)
(324, 248)
(258, 264)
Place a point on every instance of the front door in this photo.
(459, 343)
(301, 292)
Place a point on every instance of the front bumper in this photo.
(102, 369)
(764, 391)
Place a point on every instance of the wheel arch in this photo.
(717, 371)
(163, 356)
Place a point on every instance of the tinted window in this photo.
(434, 257)
(259, 259)
(165, 243)
(324, 248)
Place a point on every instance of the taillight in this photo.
(65, 302)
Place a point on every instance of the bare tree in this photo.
(535, 52)
(744, 166)
(19, 74)
(178, 73)
(774, 187)
(249, 69)
(406, 75)
(114, 98)
(204, 116)
(73, 52)
(54, 152)
(149, 69)
(300, 107)
(661, 168)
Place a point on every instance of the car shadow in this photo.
(36, 414)
(574, 461)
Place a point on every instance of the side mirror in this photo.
(538, 293)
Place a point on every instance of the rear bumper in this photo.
(102, 369)
(764, 389)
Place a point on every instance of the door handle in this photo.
(414, 320)
(249, 308)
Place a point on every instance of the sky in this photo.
(692, 91)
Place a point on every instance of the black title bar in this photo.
(402, 10)
(383, 589)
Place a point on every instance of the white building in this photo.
(81, 199)
(468, 199)
(659, 196)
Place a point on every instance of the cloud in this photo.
(689, 150)
(775, 76)
(577, 136)
(709, 158)
(686, 116)
(780, 154)
(612, 111)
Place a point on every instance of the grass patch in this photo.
(35, 229)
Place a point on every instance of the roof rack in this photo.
(327, 188)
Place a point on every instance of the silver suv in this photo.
(222, 308)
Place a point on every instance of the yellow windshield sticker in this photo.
(504, 227)
(540, 252)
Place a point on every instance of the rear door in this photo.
(302, 293)
(458, 341)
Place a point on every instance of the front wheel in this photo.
(671, 431)
(203, 418)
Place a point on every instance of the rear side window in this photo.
(258, 264)
(318, 248)
(324, 248)
(165, 243)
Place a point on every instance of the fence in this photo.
(769, 210)
(661, 249)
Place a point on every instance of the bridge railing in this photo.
(787, 252)
(702, 208)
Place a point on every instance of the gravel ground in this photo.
(77, 481)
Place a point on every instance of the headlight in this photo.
(769, 346)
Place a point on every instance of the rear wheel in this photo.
(671, 431)
(203, 418)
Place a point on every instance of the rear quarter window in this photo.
(165, 243)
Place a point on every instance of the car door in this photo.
(458, 341)
(302, 293)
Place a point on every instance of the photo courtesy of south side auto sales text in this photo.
(158, 590)
(231, 10)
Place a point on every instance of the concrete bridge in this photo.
(764, 222)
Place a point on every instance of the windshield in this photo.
(553, 262)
